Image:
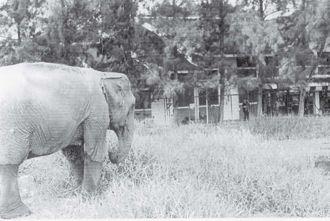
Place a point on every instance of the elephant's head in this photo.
(121, 101)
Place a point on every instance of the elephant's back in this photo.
(11, 80)
(14, 96)
(45, 71)
(45, 86)
(27, 79)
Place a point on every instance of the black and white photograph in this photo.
(137, 109)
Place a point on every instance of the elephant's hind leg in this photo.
(75, 156)
(11, 205)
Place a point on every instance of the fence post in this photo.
(207, 106)
(316, 105)
(196, 101)
(219, 95)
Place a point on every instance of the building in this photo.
(200, 102)
(278, 98)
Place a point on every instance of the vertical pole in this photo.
(196, 101)
(222, 100)
(316, 106)
(189, 115)
(207, 107)
(165, 110)
(219, 94)
(172, 110)
(259, 95)
(231, 105)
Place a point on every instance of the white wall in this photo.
(231, 107)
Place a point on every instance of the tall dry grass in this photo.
(290, 127)
(194, 171)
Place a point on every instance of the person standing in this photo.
(245, 107)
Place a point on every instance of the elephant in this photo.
(45, 108)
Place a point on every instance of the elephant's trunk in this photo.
(125, 137)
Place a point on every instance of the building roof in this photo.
(278, 14)
(152, 28)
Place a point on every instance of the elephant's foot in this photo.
(14, 211)
(92, 175)
(11, 205)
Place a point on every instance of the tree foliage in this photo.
(305, 35)
(178, 30)
(62, 32)
(21, 22)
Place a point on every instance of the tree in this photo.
(75, 26)
(215, 27)
(21, 24)
(257, 37)
(70, 26)
(305, 34)
(117, 23)
(178, 31)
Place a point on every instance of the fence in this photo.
(163, 111)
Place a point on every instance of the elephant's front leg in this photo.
(11, 205)
(95, 152)
(92, 174)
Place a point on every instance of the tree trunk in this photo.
(301, 108)
(62, 43)
(259, 104)
(174, 9)
(19, 37)
(261, 9)
(259, 75)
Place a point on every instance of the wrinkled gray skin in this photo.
(45, 108)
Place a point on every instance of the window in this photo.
(324, 58)
(324, 70)
(271, 60)
(186, 98)
(246, 61)
(246, 72)
(212, 96)
(143, 100)
(246, 66)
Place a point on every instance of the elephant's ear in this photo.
(110, 88)
(117, 89)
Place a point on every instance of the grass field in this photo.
(264, 167)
